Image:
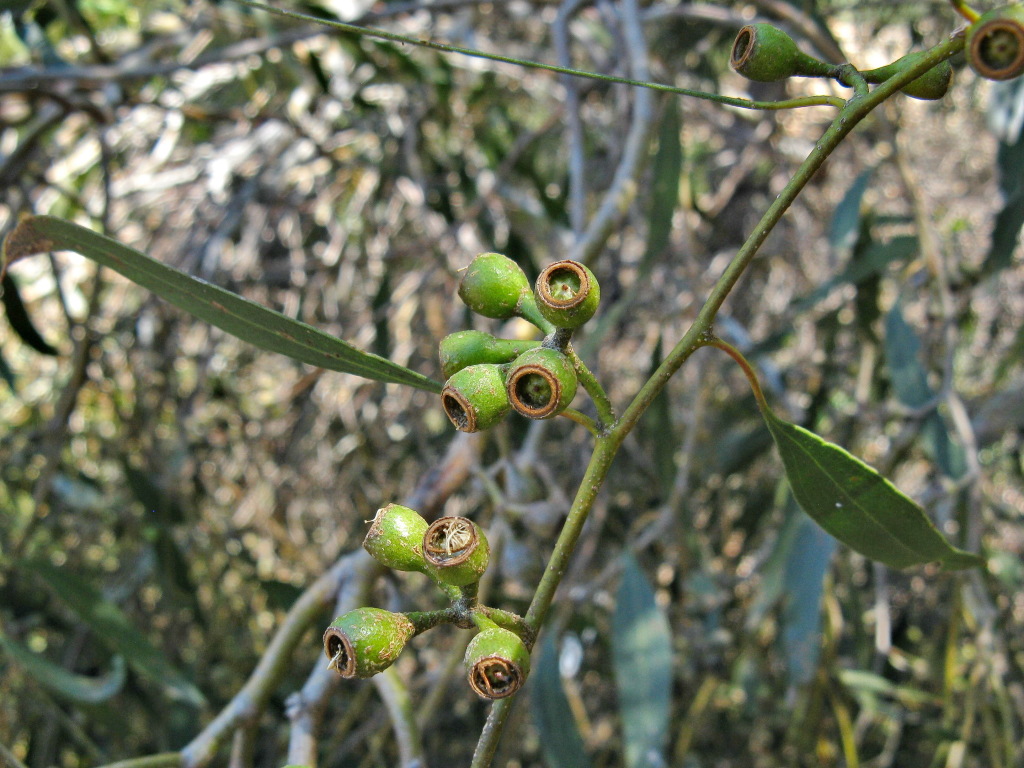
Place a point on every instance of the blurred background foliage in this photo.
(167, 492)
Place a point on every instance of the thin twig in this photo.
(625, 182)
(396, 698)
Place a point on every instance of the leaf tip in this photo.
(24, 240)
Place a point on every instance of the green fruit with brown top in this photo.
(765, 53)
(541, 383)
(366, 641)
(497, 663)
(475, 398)
(995, 43)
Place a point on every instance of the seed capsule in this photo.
(474, 398)
(497, 663)
(765, 53)
(457, 550)
(567, 294)
(995, 43)
(541, 383)
(366, 641)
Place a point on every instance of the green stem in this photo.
(806, 101)
(605, 412)
(162, 760)
(510, 621)
(849, 116)
(698, 335)
(582, 419)
(965, 10)
(748, 369)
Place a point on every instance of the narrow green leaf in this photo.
(251, 322)
(1010, 219)
(910, 384)
(668, 165)
(642, 659)
(846, 219)
(804, 579)
(858, 506)
(559, 737)
(19, 318)
(115, 630)
(81, 689)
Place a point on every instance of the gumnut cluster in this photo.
(488, 377)
(454, 553)
(765, 53)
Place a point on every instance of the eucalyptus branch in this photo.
(855, 110)
(394, 37)
(699, 334)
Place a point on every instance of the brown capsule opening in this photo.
(997, 49)
(742, 48)
(563, 285)
(339, 650)
(450, 541)
(459, 409)
(495, 678)
(534, 391)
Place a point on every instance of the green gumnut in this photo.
(765, 53)
(474, 398)
(930, 86)
(464, 348)
(541, 383)
(497, 663)
(494, 286)
(395, 538)
(456, 550)
(366, 641)
(567, 294)
(995, 43)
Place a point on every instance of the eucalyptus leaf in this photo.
(81, 689)
(642, 660)
(846, 219)
(668, 166)
(115, 630)
(251, 322)
(858, 506)
(560, 739)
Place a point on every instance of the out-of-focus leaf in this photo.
(1006, 110)
(803, 584)
(115, 630)
(793, 576)
(668, 165)
(858, 506)
(1009, 220)
(251, 322)
(559, 737)
(7, 374)
(910, 384)
(902, 353)
(656, 430)
(865, 264)
(862, 683)
(642, 659)
(846, 219)
(81, 689)
(166, 509)
(19, 319)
